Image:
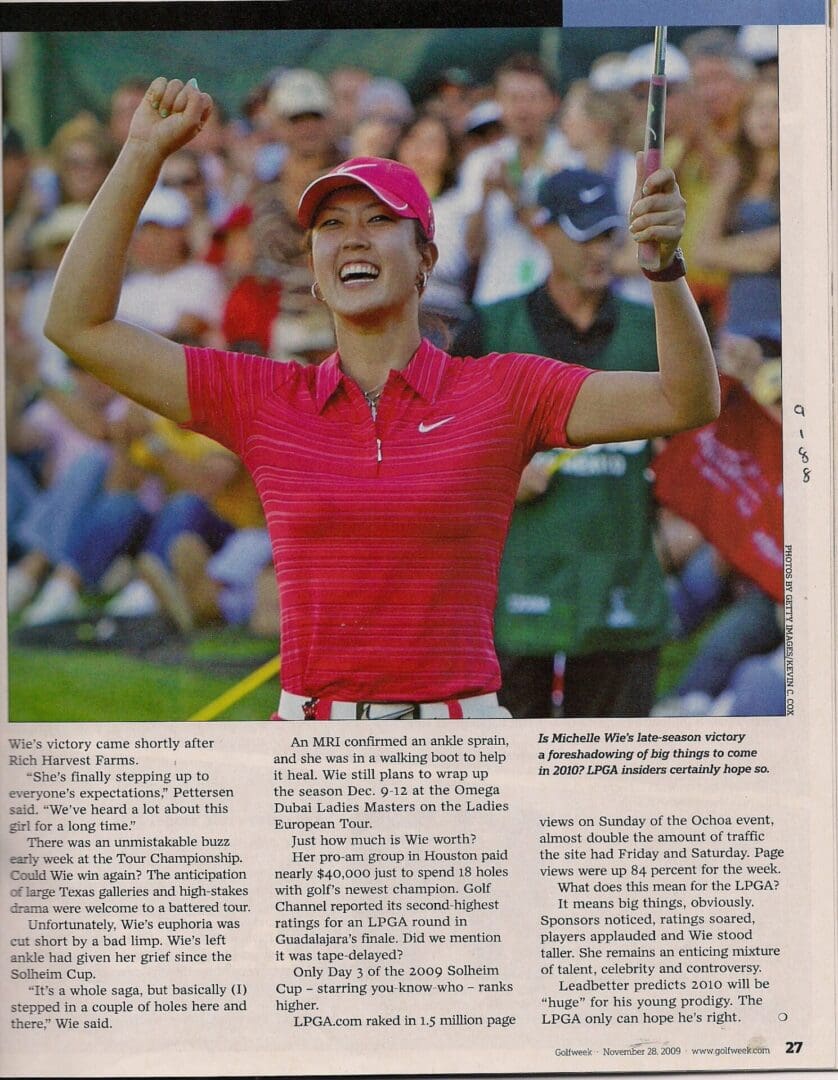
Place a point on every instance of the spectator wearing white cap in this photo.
(760, 45)
(290, 117)
(621, 81)
(302, 104)
(606, 71)
(384, 107)
(633, 75)
(482, 126)
(387, 99)
(166, 289)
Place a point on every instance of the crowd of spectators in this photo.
(111, 508)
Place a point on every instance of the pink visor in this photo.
(394, 184)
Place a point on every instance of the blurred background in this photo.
(140, 584)
(53, 76)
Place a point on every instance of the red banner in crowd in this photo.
(727, 480)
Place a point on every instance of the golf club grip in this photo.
(648, 254)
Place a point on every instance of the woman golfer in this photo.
(388, 473)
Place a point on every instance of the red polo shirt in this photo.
(387, 532)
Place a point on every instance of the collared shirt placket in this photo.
(371, 417)
(373, 404)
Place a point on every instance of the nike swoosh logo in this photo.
(589, 195)
(350, 170)
(424, 428)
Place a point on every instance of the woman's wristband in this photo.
(676, 268)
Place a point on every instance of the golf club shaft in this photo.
(649, 253)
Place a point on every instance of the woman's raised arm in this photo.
(618, 405)
(82, 314)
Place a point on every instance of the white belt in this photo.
(297, 707)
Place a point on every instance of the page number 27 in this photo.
(794, 1047)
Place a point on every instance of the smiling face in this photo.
(365, 257)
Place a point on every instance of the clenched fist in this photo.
(170, 114)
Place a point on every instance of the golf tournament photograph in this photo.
(221, 485)
(377, 362)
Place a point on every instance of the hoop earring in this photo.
(316, 293)
(422, 281)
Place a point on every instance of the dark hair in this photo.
(449, 168)
(13, 144)
(747, 155)
(524, 64)
(420, 234)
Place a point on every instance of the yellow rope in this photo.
(241, 689)
(559, 458)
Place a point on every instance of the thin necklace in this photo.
(372, 396)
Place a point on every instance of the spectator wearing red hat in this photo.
(388, 472)
(253, 300)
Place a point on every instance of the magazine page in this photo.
(193, 886)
